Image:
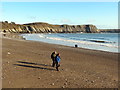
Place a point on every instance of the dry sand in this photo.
(27, 64)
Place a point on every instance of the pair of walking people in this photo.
(56, 59)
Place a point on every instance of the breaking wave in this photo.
(82, 40)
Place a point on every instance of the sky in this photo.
(102, 14)
(60, 0)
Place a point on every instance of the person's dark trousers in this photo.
(53, 64)
(57, 65)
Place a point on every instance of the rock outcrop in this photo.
(40, 27)
(110, 30)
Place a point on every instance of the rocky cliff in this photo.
(40, 27)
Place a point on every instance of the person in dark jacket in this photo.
(53, 55)
(57, 59)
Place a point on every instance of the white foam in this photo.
(53, 38)
(41, 35)
(83, 42)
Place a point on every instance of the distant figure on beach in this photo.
(76, 45)
(57, 61)
(53, 55)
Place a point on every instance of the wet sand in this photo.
(27, 64)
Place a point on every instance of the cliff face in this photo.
(40, 27)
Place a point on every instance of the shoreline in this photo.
(27, 64)
(19, 37)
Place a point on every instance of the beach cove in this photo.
(27, 64)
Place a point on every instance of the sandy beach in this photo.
(27, 64)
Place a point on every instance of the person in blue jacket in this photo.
(57, 59)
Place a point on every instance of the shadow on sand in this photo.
(30, 66)
(32, 63)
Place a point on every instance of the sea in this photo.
(96, 41)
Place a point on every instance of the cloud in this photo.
(32, 17)
(107, 26)
(66, 21)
